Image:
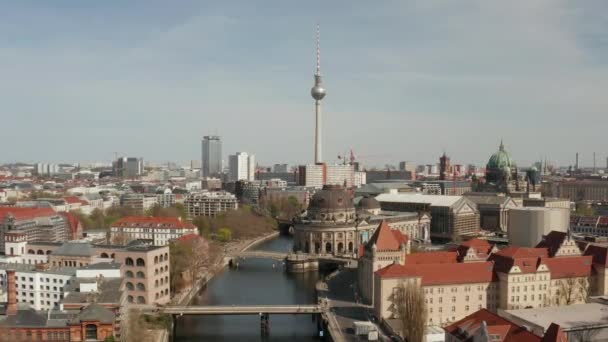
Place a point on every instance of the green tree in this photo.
(224, 235)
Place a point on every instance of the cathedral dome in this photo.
(332, 203)
(500, 160)
(368, 203)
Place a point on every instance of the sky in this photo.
(406, 80)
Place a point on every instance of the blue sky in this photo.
(406, 80)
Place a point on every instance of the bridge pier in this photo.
(264, 324)
(173, 328)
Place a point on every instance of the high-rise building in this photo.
(128, 167)
(444, 167)
(241, 166)
(211, 160)
(279, 168)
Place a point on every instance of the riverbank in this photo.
(185, 296)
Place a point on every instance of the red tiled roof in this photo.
(26, 213)
(506, 330)
(72, 200)
(386, 239)
(188, 237)
(73, 223)
(522, 252)
(568, 267)
(440, 274)
(149, 221)
(554, 334)
(432, 258)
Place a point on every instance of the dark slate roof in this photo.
(108, 291)
(74, 249)
(95, 312)
(27, 317)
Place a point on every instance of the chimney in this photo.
(11, 293)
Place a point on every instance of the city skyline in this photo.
(398, 73)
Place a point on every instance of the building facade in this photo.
(211, 159)
(241, 167)
(210, 203)
(160, 230)
(31, 224)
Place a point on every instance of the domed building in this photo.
(334, 227)
(502, 174)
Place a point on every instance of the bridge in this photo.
(261, 255)
(242, 310)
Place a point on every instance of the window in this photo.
(129, 262)
(129, 274)
(140, 262)
(141, 274)
(141, 287)
(130, 298)
(91, 332)
(141, 300)
(130, 286)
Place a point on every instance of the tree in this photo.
(189, 258)
(571, 290)
(411, 310)
(224, 235)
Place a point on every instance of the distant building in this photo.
(241, 167)
(450, 215)
(577, 190)
(210, 203)
(211, 183)
(528, 225)
(19, 225)
(46, 170)
(445, 170)
(280, 168)
(211, 159)
(139, 202)
(318, 175)
(493, 210)
(160, 230)
(166, 199)
(386, 175)
(594, 226)
(128, 167)
(288, 177)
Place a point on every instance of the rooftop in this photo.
(484, 323)
(568, 317)
(433, 200)
(74, 249)
(439, 274)
(154, 222)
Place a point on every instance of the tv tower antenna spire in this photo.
(318, 93)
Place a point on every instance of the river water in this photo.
(254, 282)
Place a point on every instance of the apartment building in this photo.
(210, 203)
(31, 224)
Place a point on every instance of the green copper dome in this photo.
(501, 160)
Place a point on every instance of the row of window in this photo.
(540, 287)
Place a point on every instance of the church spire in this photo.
(502, 146)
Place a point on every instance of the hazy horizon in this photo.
(405, 80)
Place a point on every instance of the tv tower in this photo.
(318, 93)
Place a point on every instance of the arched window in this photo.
(48, 252)
(129, 274)
(141, 287)
(104, 255)
(156, 295)
(167, 280)
(112, 255)
(130, 286)
(166, 257)
(156, 259)
(140, 262)
(130, 299)
(328, 247)
(156, 283)
(31, 251)
(91, 332)
(129, 262)
(40, 252)
(141, 300)
(166, 292)
(141, 274)
(156, 271)
(340, 247)
(162, 281)
(161, 258)
(350, 246)
(166, 268)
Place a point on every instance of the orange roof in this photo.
(152, 222)
(568, 267)
(506, 331)
(441, 257)
(440, 274)
(522, 252)
(188, 237)
(386, 239)
(26, 213)
(72, 200)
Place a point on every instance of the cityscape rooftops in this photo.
(21, 213)
(433, 200)
(485, 325)
(74, 249)
(568, 317)
(386, 239)
(440, 274)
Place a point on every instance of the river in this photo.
(254, 282)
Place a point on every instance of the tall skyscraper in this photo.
(128, 167)
(318, 93)
(241, 166)
(211, 161)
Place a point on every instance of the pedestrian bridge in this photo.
(242, 309)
